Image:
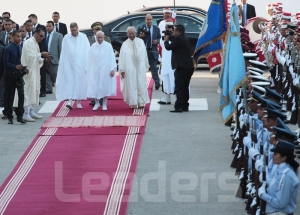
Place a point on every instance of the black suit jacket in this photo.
(62, 28)
(250, 11)
(181, 56)
(155, 36)
(42, 44)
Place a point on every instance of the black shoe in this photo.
(21, 120)
(286, 121)
(101, 101)
(43, 95)
(49, 92)
(163, 103)
(157, 85)
(297, 152)
(4, 117)
(185, 109)
(10, 121)
(176, 111)
(92, 103)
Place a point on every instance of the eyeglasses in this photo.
(5, 17)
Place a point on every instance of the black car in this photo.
(177, 8)
(116, 29)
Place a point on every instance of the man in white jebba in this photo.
(32, 58)
(133, 65)
(167, 73)
(71, 81)
(101, 68)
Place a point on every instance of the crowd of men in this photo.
(264, 147)
(36, 58)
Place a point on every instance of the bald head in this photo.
(148, 20)
(100, 36)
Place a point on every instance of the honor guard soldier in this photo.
(97, 26)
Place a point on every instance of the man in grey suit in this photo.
(7, 29)
(151, 36)
(53, 44)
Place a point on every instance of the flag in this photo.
(233, 69)
(215, 24)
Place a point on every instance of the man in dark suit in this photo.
(59, 26)
(151, 36)
(184, 68)
(43, 48)
(246, 11)
(53, 42)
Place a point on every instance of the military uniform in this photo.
(97, 26)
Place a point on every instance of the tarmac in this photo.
(184, 162)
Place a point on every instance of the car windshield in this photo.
(199, 17)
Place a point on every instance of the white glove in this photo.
(246, 140)
(249, 187)
(296, 81)
(293, 75)
(240, 153)
(245, 117)
(253, 202)
(252, 153)
(291, 69)
(260, 177)
(288, 61)
(262, 189)
(258, 164)
(257, 211)
(241, 175)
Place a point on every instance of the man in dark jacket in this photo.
(184, 68)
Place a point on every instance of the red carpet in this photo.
(76, 170)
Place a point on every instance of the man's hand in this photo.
(123, 74)
(154, 42)
(112, 73)
(19, 67)
(142, 35)
(45, 54)
(48, 59)
(166, 37)
(27, 71)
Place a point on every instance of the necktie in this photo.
(29, 35)
(47, 40)
(56, 28)
(33, 28)
(244, 14)
(149, 38)
(6, 40)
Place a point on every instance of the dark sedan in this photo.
(116, 29)
(177, 8)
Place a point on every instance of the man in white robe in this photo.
(71, 82)
(101, 68)
(133, 65)
(32, 58)
(167, 73)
